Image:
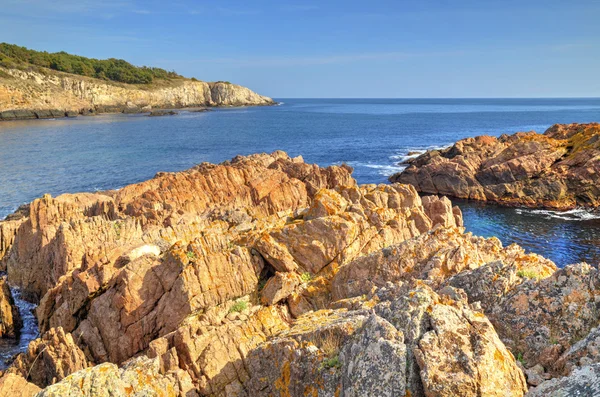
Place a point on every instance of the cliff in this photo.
(265, 275)
(559, 169)
(43, 93)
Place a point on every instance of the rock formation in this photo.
(31, 95)
(557, 169)
(265, 276)
(49, 359)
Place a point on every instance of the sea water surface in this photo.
(372, 135)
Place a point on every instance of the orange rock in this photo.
(558, 169)
(279, 287)
(49, 359)
(16, 386)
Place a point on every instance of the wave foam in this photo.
(578, 214)
(383, 169)
(404, 155)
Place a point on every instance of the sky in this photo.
(334, 49)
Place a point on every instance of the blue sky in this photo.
(334, 48)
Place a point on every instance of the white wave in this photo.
(404, 155)
(383, 169)
(440, 147)
(578, 214)
(30, 327)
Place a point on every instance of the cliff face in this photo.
(34, 91)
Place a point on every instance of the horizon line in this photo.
(511, 97)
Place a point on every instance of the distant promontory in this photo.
(37, 84)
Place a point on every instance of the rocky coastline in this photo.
(43, 94)
(558, 170)
(265, 275)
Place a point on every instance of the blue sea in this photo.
(372, 135)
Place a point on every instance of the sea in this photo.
(372, 135)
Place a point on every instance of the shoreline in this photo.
(47, 114)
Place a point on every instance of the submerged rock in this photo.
(558, 169)
(158, 113)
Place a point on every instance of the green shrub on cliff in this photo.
(108, 69)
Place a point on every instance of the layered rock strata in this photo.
(31, 95)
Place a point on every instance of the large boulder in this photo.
(138, 378)
(463, 355)
(452, 348)
(330, 353)
(541, 320)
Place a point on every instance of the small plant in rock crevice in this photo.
(306, 277)
(330, 343)
(332, 362)
(191, 255)
(520, 358)
(238, 307)
(118, 226)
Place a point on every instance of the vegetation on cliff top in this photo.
(13, 56)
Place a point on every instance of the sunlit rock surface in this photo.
(265, 275)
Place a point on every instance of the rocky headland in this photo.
(265, 275)
(559, 169)
(44, 93)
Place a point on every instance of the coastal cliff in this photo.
(265, 275)
(559, 169)
(44, 93)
